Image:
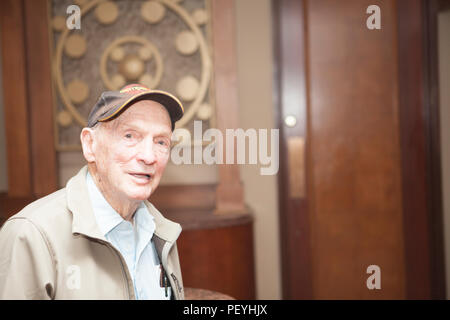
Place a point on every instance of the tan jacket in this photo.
(53, 249)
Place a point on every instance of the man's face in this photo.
(131, 151)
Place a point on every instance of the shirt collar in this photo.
(108, 218)
(84, 221)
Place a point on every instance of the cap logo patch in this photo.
(130, 89)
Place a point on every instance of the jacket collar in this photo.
(165, 228)
(79, 203)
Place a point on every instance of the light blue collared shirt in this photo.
(134, 242)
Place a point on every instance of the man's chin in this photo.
(140, 195)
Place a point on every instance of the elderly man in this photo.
(99, 237)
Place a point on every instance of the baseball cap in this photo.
(112, 103)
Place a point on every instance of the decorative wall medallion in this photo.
(163, 44)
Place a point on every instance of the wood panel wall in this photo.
(355, 153)
(219, 259)
(15, 98)
(40, 105)
(28, 99)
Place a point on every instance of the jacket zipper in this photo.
(123, 269)
(124, 274)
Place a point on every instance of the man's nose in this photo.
(146, 153)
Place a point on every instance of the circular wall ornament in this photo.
(131, 70)
(78, 91)
(200, 16)
(187, 88)
(107, 12)
(204, 112)
(146, 80)
(117, 54)
(58, 23)
(152, 11)
(186, 43)
(131, 67)
(192, 90)
(117, 81)
(75, 46)
(64, 118)
(145, 53)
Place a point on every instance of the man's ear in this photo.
(87, 142)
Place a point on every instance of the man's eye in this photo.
(162, 142)
(128, 136)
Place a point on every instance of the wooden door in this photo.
(355, 188)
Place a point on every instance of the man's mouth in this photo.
(142, 177)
